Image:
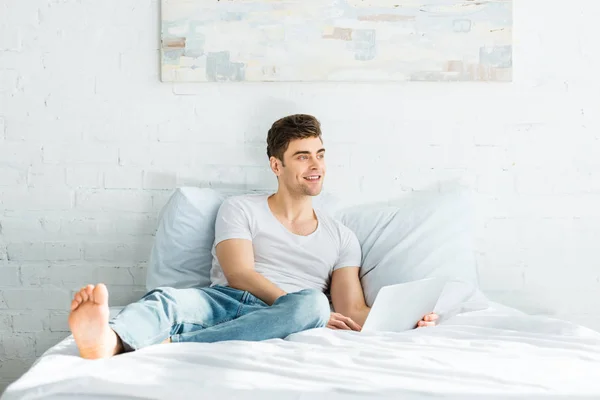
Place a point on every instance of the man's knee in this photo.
(309, 308)
(161, 291)
(165, 295)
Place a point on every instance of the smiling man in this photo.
(274, 258)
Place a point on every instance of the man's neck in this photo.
(291, 208)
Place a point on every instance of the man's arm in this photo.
(236, 258)
(347, 294)
(348, 298)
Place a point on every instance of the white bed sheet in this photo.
(493, 353)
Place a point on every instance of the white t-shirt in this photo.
(292, 262)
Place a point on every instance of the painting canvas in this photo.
(340, 40)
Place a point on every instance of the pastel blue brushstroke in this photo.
(194, 43)
(232, 16)
(462, 25)
(220, 68)
(364, 44)
(497, 56)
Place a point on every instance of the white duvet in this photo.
(492, 353)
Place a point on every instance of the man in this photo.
(274, 257)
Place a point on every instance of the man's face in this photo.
(304, 169)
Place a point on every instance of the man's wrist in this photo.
(277, 297)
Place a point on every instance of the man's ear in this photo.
(275, 165)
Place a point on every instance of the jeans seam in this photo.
(195, 333)
(190, 322)
(245, 300)
(148, 342)
(239, 310)
(205, 327)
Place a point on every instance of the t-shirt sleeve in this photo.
(232, 222)
(350, 251)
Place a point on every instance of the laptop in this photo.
(400, 307)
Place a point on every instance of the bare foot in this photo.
(89, 323)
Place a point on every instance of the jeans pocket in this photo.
(253, 300)
(232, 292)
(242, 296)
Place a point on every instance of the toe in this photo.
(100, 294)
(89, 289)
(84, 294)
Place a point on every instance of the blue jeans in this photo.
(218, 313)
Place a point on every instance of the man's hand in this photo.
(428, 320)
(338, 321)
(236, 257)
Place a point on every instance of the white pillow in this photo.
(419, 236)
(181, 255)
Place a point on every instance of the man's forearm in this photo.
(258, 285)
(359, 315)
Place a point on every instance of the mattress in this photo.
(493, 353)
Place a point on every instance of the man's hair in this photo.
(286, 129)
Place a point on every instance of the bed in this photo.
(480, 349)
(498, 352)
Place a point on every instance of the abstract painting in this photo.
(339, 40)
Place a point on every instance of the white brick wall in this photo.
(91, 144)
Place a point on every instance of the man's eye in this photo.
(302, 157)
